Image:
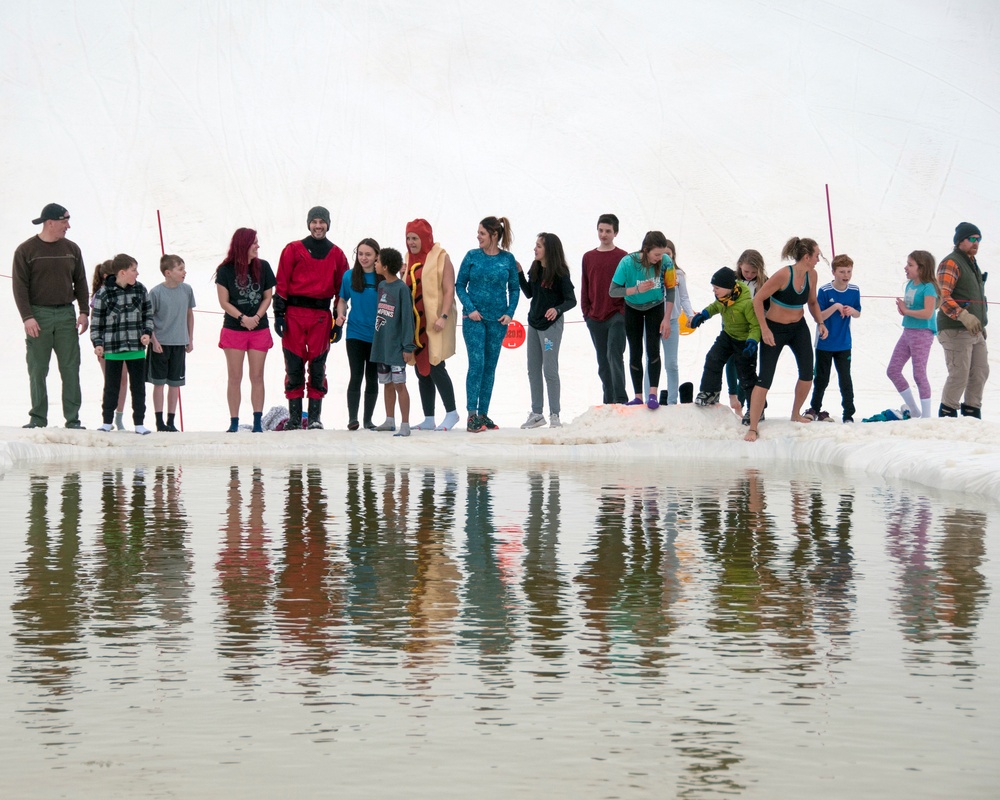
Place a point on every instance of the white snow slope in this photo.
(718, 123)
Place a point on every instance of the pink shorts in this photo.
(259, 339)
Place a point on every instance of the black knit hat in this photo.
(51, 211)
(725, 278)
(318, 212)
(965, 230)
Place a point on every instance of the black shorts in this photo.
(166, 367)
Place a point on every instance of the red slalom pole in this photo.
(163, 252)
(829, 217)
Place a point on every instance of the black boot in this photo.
(947, 411)
(315, 409)
(685, 392)
(971, 411)
(294, 415)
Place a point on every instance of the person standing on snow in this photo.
(961, 323)
(310, 272)
(48, 275)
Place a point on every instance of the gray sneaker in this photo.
(534, 421)
(554, 421)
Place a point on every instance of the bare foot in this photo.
(735, 404)
(751, 436)
(800, 418)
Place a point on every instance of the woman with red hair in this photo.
(431, 278)
(245, 284)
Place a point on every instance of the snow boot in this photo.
(685, 392)
(971, 411)
(947, 411)
(315, 408)
(706, 399)
(294, 415)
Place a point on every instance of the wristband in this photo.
(239, 318)
(444, 316)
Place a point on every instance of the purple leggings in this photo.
(914, 344)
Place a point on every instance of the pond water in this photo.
(370, 630)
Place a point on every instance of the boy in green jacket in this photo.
(739, 337)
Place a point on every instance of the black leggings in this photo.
(639, 324)
(796, 336)
(112, 385)
(439, 380)
(359, 358)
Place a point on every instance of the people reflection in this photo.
(545, 587)
(433, 602)
(244, 578)
(622, 580)
(308, 602)
(121, 579)
(169, 559)
(941, 588)
(50, 608)
(487, 617)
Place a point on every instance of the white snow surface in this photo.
(718, 123)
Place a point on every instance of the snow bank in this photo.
(956, 455)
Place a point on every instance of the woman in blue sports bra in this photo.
(790, 289)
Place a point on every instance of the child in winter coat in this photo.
(120, 330)
(739, 337)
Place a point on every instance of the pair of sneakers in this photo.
(142, 430)
(538, 420)
(817, 416)
(480, 422)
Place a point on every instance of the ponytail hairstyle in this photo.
(555, 266)
(651, 241)
(239, 245)
(754, 259)
(796, 249)
(926, 269)
(101, 272)
(499, 227)
(358, 272)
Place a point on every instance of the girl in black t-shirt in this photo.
(245, 284)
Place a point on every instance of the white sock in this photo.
(907, 395)
(450, 421)
(925, 406)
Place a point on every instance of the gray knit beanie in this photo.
(318, 212)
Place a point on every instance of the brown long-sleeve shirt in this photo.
(49, 274)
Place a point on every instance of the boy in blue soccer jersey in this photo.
(839, 301)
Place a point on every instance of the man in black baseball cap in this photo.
(53, 211)
(48, 276)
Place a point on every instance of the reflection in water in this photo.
(142, 570)
(486, 620)
(545, 588)
(434, 598)
(629, 580)
(381, 566)
(941, 586)
(244, 579)
(676, 622)
(50, 610)
(767, 585)
(309, 600)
